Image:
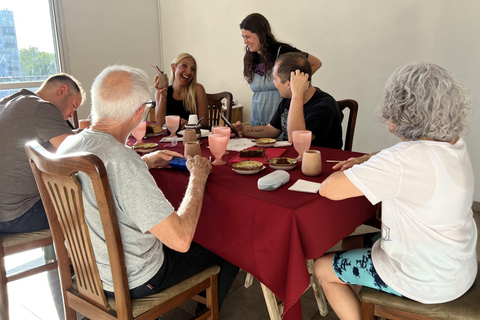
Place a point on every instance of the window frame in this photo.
(58, 44)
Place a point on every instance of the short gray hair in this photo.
(118, 91)
(425, 100)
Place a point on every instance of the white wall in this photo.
(359, 42)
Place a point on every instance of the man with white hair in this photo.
(159, 251)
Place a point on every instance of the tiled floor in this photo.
(39, 298)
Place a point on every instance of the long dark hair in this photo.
(259, 25)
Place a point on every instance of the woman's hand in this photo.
(183, 123)
(344, 165)
(160, 93)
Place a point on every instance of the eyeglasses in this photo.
(151, 103)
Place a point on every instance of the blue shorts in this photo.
(356, 267)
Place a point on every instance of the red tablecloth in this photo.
(269, 234)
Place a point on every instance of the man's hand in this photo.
(160, 159)
(199, 166)
(298, 82)
(237, 125)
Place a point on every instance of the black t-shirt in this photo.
(322, 118)
(275, 53)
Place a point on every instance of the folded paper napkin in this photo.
(305, 186)
(170, 139)
(238, 144)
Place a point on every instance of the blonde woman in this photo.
(184, 96)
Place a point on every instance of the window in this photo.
(28, 44)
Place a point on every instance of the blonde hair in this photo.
(189, 100)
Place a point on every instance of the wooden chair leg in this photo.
(248, 280)
(4, 314)
(368, 311)
(212, 297)
(272, 306)
(317, 289)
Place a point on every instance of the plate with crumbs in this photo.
(283, 163)
(265, 142)
(145, 147)
(247, 167)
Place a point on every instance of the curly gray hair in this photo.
(424, 100)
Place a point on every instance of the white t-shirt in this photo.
(427, 250)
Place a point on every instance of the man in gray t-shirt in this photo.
(157, 239)
(26, 116)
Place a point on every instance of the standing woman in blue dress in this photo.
(261, 51)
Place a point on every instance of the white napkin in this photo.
(238, 144)
(305, 186)
(282, 144)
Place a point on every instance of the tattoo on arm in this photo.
(256, 130)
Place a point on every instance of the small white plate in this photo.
(248, 171)
(265, 145)
(205, 133)
(265, 142)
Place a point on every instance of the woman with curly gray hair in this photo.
(426, 248)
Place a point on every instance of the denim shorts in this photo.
(356, 267)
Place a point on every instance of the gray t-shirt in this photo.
(24, 117)
(139, 205)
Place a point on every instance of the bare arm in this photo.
(338, 187)
(267, 131)
(177, 230)
(314, 62)
(202, 106)
(296, 119)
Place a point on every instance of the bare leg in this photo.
(340, 295)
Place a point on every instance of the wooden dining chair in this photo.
(377, 304)
(352, 105)
(215, 107)
(12, 243)
(62, 196)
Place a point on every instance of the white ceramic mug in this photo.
(312, 163)
(192, 119)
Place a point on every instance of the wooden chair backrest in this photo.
(352, 105)
(215, 107)
(62, 197)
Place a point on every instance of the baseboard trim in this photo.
(476, 206)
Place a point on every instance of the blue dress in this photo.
(266, 98)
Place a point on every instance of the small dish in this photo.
(145, 147)
(249, 171)
(247, 167)
(265, 142)
(283, 163)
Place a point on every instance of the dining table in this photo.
(269, 234)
